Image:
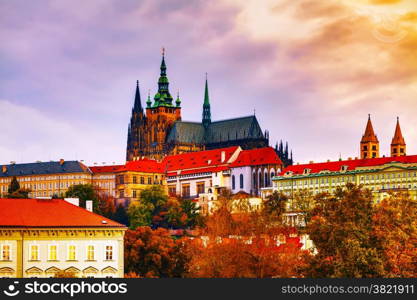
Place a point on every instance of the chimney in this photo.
(223, 156)
(61, 161)
(4, 169)
(89, 205)
(311, 162)
(73, 201)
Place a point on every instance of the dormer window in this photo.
(306, 171)
(289, 173)
(343, 168)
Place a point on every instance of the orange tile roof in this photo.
(201, 159)
(335, 166)
(369, 135)
(254, 157)
(105, 169)
(398, 138)
(143, 165)
(49, 213)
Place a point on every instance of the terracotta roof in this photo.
(254, 157)
(201, 159)
(398, 138)
(49, 213)
(105, 169)
(335, 166)
(143, 165)
(369, 135)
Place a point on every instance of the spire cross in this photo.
(163, 51)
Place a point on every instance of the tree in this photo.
(243, 244)
(395, 227)
(275, 205)
(156, 209)
(120, 215)
(15, 191)
(153, 253)
(341, 229)
(84, 192)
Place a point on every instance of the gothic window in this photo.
(241, 181)
(254, 180)
(260, 180)
(233, 182)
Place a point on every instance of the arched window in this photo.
(241, 181)
(260, 179)
(233, 182)
(254, 179)
(266, 179)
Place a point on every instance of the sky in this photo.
(311, 70)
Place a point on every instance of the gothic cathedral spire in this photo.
(206, 107)
(369, 142)
(137, 107)
(163, 96)
(398, 146)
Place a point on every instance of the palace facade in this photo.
(398, 172)
(160, 131)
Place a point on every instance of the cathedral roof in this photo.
(233, 129)
(219, 131)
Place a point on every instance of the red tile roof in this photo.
(201, 159)
(49, 213)
(200, 170)
(143, 165)
(105, 169)
(254, 157)
(336, 166)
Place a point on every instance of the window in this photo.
(200, 188)
(34, 252)
(5, 252)
(142, 180)
(135, 179)
(72, 252)
(90, 252)
(172, 190)
(241, 181)
(134, 194)
(149, 180)
(109, 252)
(186, 191)
(52, 250)
(233, 182)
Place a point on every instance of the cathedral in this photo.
(160, 131)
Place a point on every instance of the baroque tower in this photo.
(369, 146)
(398, 146)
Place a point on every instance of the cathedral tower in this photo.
(369, 146)
(398, 146)
(135, 136)
(161, 115)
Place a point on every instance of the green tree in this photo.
(15, 191)
(84, 192)
(120, 215)
(341, 229)
(155, 209)
(275, 206)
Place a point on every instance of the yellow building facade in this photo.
(39, 238)
(45, 179)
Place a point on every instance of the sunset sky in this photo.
(312, 70)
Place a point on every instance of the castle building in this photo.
(379, 174)
(45, 179)
(160, 131)
(41, 237)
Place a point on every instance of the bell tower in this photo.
(369, 146)
(398, 146)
